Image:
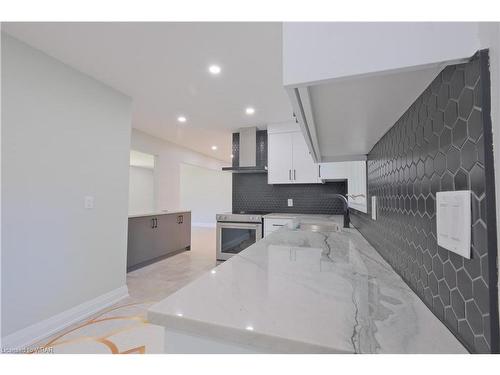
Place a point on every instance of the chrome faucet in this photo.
(346, 208)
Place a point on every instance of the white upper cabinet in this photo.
(289, 161)
(317, 51)
(335, 171)
(355, 174)
(279, 158)
(348, 83)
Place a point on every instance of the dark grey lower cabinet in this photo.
(152, 238)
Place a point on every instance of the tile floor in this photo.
(123, 328)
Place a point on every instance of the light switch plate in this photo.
(453, 221)
(89, 202)
(290, 202)
(374, 207)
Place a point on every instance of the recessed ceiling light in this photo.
(214, 148)
(250, 111)
(249, 328)
(181, 119)
(214, 69)
(232, 156)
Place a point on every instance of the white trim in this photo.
(38, 331)
(301, 105)
(203, 225)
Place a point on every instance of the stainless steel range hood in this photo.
(247, 162)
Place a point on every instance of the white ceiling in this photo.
(163, 67)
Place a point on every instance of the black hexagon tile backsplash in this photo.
(437, 145)
(251, 192)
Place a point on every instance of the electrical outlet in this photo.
(453, 221)
(89, 202)
(290, 202)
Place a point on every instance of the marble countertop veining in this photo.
(299, 291)
(158, 213)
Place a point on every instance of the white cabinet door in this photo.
(335, 170)
(305, 171)
(289, 161)
(279, 155)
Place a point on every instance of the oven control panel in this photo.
(239, 218)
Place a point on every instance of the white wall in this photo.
(141, 192)
(169, 158)
(489, 36)
(64, 136)
(206, 191)
(325, 50)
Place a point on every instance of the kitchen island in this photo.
(153, 236)
(299, 291)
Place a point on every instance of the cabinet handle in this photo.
(319, 171)
(156, 222)
(278, 225)
(153, 223)
(294, 178)
(290, 174)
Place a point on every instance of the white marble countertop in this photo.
(299, 291)
(157, 213)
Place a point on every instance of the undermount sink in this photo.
(323, 227)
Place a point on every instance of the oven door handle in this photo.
(239, 225)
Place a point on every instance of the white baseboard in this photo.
(203, 225)
(39, 331)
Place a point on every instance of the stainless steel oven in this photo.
(236, 232)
